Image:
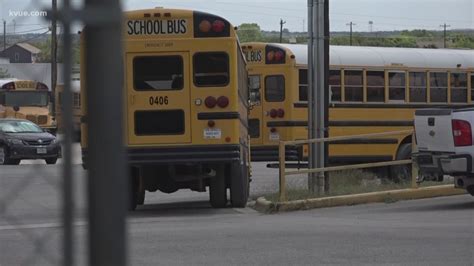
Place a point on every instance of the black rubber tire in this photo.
(133, 192)
(402, 173)
(51, 160)
(239, 185)
(141, 197)
(470, 190)
(217, 189)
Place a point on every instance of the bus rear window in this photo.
(275, 88)
(158, 73)
(211, 69)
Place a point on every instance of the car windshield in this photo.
(19, 127)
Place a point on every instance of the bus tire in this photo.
(402, 173)
(239, 185)
(133, 191)
(470, 190)
(217, 189)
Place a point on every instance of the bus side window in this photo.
(335, 85)
(472, 87)
(438, 87)
(353, 86)
(303, 84)
(254, 87)
(396, 86)
(459, 87)
(375, 86)
(417, 87)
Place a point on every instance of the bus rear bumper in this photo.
(270, 153)
(180, 155)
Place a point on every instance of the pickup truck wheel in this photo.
(470, 190)
(402, 173)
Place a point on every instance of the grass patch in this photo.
(346, 183)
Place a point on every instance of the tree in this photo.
(249, 32)
(4, 73)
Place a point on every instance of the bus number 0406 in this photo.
(158, 100)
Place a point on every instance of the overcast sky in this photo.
(385, 14)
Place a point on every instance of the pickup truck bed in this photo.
(444, 140)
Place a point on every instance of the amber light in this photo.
(227, 139)
(273, 113)
(270, 56)
(273, 130)
(210, 102)
(211, 123)
(205, 26)
(223, 101)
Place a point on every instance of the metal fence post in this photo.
(414, 171)
(281, 154)
(107, 177)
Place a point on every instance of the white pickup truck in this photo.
(445, 142)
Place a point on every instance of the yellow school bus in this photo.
(185, 86)
(76, 107)
(372, 89)
(27, 99)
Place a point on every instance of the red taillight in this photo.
(462, 133)
(218, 26)
(278, 56)
(273, 113)
(280, 113)
(210, 102)
(205, 26)
(9, 86)
(222, 101)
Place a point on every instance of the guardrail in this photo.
(283, 173)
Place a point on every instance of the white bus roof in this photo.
(389, 56)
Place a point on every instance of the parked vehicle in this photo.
(22, 139)
(445, 145)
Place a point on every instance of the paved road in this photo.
(181, 229)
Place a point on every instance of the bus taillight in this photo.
(41, 86)
(207, 25)
(218, 26)
(273, 113)
(210, 102)
(281, 113)
(222, 101)
(274, 55)
(9, 86)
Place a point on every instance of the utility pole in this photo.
(281, 29)
(445, 26)
(350, 24)
(54, 52)
(4, 35)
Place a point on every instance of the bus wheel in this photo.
(133, 192)
(239, 185)
(217, 189)
(470, 190)
(402, 173)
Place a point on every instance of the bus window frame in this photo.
(453, 88)
(438, 87)
(157, 55)
(227, 58)
(354, 86)
(300, 84)
(283, 90)
(331, 94)
(379, 86)
(410, 86)
(390, 87)
(255, 93)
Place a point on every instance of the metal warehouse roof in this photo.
(387, 56)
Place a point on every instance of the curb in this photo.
(265, 206)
